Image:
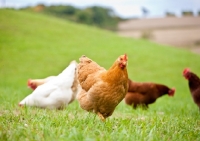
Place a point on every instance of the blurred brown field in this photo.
(174, 31)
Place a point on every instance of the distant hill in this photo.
(96, 16)
(35, 46)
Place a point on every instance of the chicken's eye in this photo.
(121, 59)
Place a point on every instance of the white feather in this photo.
(56, 93)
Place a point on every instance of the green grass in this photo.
(36, 46)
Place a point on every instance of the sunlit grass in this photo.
(35, 46)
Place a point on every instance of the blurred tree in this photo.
(198, 13)
(61, 10)
(85, 16)
(98, 16)
(187, 13)
(169, 14)
(70, 10)
(104, 17)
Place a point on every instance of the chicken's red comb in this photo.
(125, 57)
(186, 70)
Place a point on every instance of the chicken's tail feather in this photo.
(73, 62)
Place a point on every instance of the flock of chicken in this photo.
(99, 90)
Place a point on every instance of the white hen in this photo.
(56, 93)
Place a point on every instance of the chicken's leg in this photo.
(101, 116)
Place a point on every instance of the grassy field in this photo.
(35, 46)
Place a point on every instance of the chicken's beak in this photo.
(124, 63)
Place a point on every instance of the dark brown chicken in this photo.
(102, 90)
(142, 94)
(194, 85)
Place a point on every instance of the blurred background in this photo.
(170, 22)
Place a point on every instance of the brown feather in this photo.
(103, 89)
(145, 93)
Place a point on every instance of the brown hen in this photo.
(143, 94)
(102, 90)
(194, 85)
